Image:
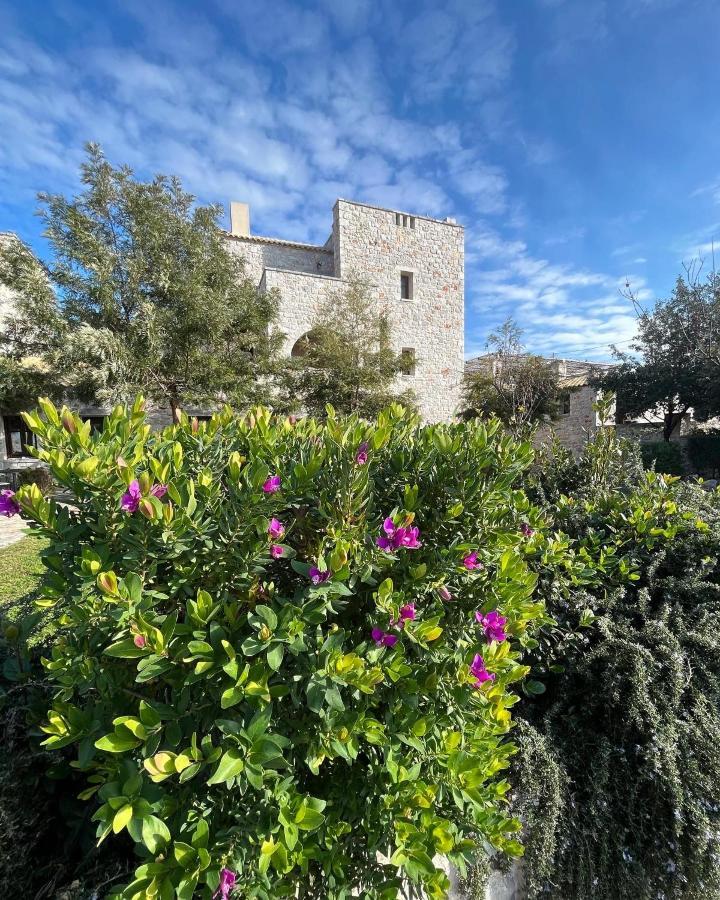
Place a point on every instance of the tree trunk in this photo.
(670, 423)
(175, 408)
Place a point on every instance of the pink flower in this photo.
(276, 529)
(131, 498)
(276, 551)
(139, 640)
(316, 576)
(443, 593)
(8, 504)
(396, 537)
(471, 561)
(362, 454)
(479, 672)
(493, 625)
(382, 639)
(526, 530)
(227, 883)
(272, 485)
(406, 614)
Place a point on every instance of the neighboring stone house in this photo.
(413, 264)
(415, 268)
(577, 421)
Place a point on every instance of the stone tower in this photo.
(415, 266)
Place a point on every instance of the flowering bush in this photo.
(287, 650)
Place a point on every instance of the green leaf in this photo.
(267, 615)
(231, 764)
(231, 696)
(275, 656)
(114, 743)
(121, 818)
(184, 854)
(125, 649)
(155, 833)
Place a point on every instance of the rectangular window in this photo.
(404, 221)
(565, 403)
(406, 286)
(17, 437)
(407, 357)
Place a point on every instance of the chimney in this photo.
(239, 219)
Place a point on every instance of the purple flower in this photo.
(8, 504)
(276, 551)
(443, 593)
(471, 561)
(272, 485)
(139, 640)
(316, 576)
(227, 883)
(276, 529)
(362, 454)
(131, 498)
(407, 612)
(396, 537)
(479, 672)
(493, 625)
(526, 530)
(382, 639)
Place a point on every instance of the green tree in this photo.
(347, 359)
(513, 385)
(674, 363)
(141, 294)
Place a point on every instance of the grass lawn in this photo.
(20, 572)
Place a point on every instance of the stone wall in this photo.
(369, 243)
(301, 296)
(7, 296)
(575, 428)
(260, 254)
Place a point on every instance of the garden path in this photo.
(11, 530)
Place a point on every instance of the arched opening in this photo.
(302, 344)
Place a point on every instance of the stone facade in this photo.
(577, 421)
(379, 245)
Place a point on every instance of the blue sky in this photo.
(578, 141)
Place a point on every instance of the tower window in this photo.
(406, 285)
(404, 221)
(407, 358)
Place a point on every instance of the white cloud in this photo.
(293, 119)
(562, 309)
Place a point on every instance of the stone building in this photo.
(577, 421)
(415, 268)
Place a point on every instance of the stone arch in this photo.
(302, 344)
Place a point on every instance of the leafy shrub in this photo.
(663, 456)
(619, 771)
(267, 674)
(703, 449)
